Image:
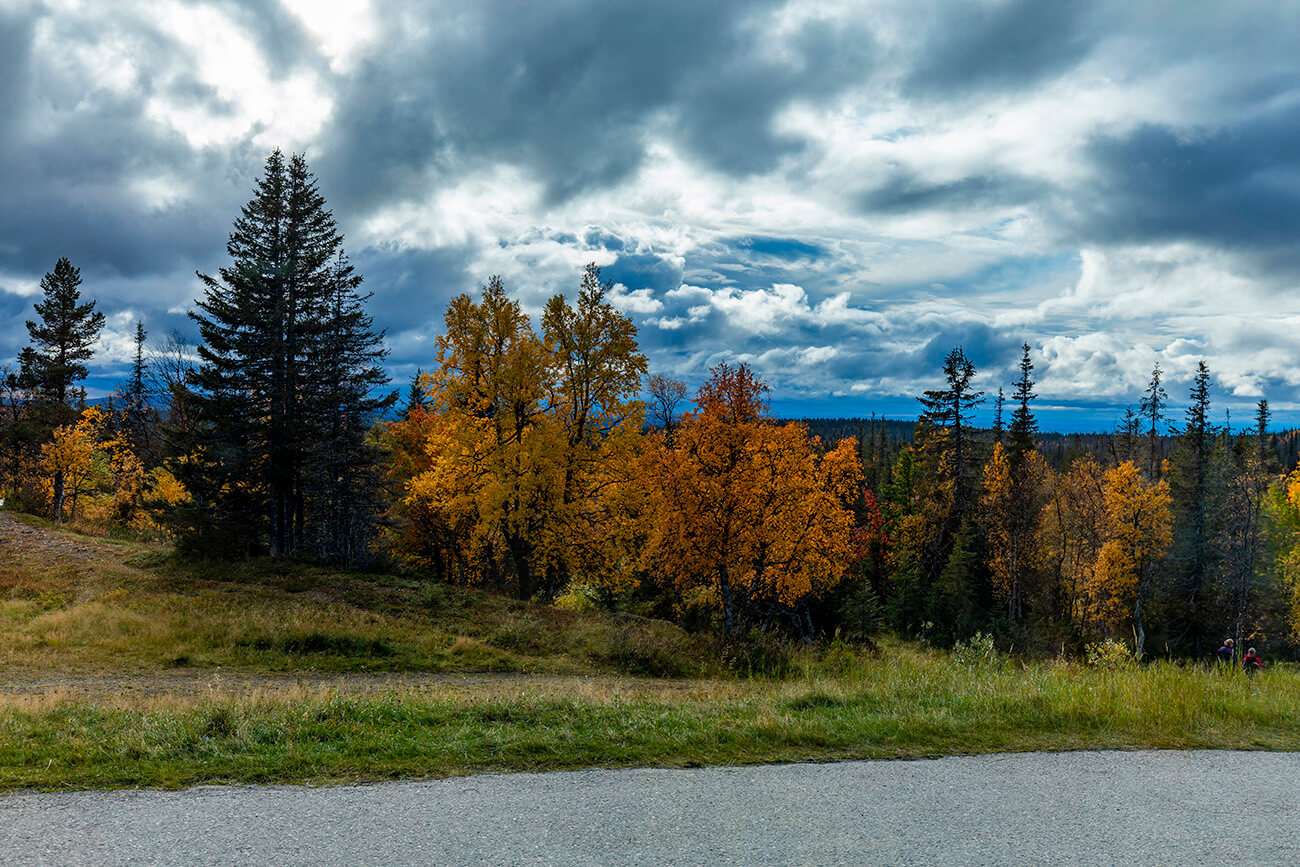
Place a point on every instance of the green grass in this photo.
(905, 702)
(262, 672)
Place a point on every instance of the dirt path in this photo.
(17, 538)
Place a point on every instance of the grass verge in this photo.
(905, 702)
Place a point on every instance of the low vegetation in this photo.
(100, 606)
(904, 702)
(126, 667)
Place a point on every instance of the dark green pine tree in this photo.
(136, 384)
(283, 347)
(1195, 484)
(55, 360)
(946, 573)
(342, 479)
(1152, 409)
(949, 410)
(1264, 453)
(1024, 427)
(998, 427)
(414, 394)
(1124, 445)
(61, 342)
(139, 417)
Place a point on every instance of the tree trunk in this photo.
(724, 584)
(58, 497)
(1139, 634)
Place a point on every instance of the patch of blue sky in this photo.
(788, 249)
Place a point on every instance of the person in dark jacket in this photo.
(1227, 653)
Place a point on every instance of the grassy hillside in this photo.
(125, 667)
(71, 603)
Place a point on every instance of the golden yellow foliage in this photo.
(522, 468)
(1011, 502)
(103, 481)
(1139, 531)
(746, 509)
(1073, 531)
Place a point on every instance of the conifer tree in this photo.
(1195, 489)
(1024, 426)
(949, 410)
(1262, 440)
(285, 353)
(1152, 409)
(1124, 446)
(56, 358)
(140, 419)
(998, 427)
(61, 342)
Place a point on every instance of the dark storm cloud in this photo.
(1236, 188)
(908, 193)
(15, 68)
(67, 173)
(571, 91)
(1005, 45)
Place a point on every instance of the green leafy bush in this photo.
(979, 650)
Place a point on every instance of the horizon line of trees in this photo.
(525, 460)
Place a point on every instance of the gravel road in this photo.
(1030, 808)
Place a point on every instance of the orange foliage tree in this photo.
(747, 511)
(1139, 531)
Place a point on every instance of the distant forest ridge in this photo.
(1058, 449)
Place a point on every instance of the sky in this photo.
(835, 193)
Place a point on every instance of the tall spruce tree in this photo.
(139, 418)
(949, 410)
(998, 427)
(61, 344)
(1152, 409)
(342, 478)
(1196, 485)
(55, 360)
(287, 359)
(1024, 427)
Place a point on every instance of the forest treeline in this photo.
(540, 458)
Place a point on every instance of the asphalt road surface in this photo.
(1032, 808)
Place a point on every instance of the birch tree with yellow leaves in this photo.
(529, 444)
(1139, 529)
(1012, 500)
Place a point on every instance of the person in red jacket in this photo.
(1251, 662)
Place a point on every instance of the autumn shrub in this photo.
(577, 597)
(1110, 654)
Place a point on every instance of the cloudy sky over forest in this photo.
(834, 192)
